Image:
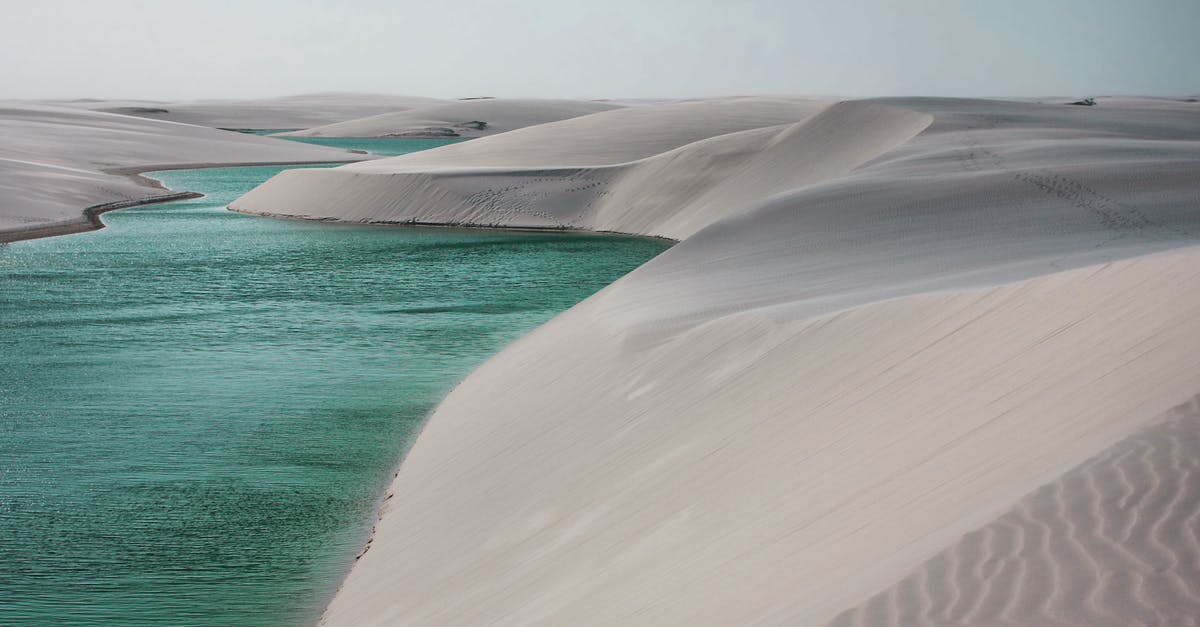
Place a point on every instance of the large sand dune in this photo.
(886, 323)
(605, 164)
(55, 162)
(465, 118)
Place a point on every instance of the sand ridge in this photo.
(668, 194)
(615, 136)
(464, 118)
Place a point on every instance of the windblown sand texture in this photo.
(465, 118)
(1112, 542)
(885, 325)
(57, 161)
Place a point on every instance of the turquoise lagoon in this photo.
(199, 409)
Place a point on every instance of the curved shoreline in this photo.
(138, 174)
(218, 185)
(90, 219)
(899, 350)
(64, 160)
(464, 226)
(386, 494)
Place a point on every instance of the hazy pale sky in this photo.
(182, 49)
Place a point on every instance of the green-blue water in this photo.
(385, 146)
(199, 409)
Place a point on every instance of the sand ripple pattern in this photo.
(1115, 541)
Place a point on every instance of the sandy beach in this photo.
(913, 361)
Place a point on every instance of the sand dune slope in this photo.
(763, 467)
(467, 118)
(885, 323)
(55, 161)
(668, 170)
(1112, 542)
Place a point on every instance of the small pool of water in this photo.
(199, 409)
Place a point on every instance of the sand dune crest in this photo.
(469, 118)
(671, 194)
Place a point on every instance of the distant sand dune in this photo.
(616, 136)
(288, 112)
(1112, 542)
(669, 194)
(469, 118)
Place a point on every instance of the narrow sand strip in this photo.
(60, 167)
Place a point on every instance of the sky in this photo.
(189, 49)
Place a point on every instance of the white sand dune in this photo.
(616, 136)
(289, 112)
(465, 118)
(55, 162)
(607, 163)
(757, 469)
(885, 323)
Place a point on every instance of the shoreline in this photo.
(90, 216)
(460, 226)
(387, 493)
(91, 221)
